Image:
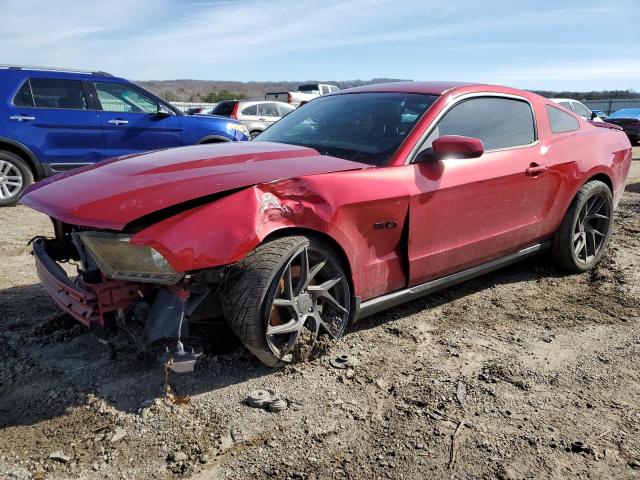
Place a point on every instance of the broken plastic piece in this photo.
(344, 360)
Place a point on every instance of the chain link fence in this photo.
(610, 106)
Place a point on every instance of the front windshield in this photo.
(363, 127)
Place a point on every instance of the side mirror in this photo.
(594, 115)
(163, 111)
(452, 146)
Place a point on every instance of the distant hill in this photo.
(197, 90)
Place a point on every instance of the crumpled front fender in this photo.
(225, 231)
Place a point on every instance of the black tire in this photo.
(253, 284)
(254, 133)
(575, 246)
(15, 176)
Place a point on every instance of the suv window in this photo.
(560, 121)
(116, 97)
(498, 122)
(581, 110)
(268, 110)
(252, 110)
(51, 93)
(325, 89)
(24, 98)
(223, 108)
(566, 105)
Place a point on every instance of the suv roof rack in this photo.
(54, 69)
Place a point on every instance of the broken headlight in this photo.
(120, 260)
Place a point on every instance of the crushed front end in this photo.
(119, 284)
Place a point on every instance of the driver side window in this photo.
(116, 97)
(498, 122)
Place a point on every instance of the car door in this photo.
(51, 116)
(268, 113)
(131, 121)
(464, 212)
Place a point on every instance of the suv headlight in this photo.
(120, 260)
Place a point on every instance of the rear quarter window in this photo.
(51, 93)
(560, 121)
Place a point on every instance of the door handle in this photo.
(117, 121)
(22, 118)
(262, 119)
(535, 169)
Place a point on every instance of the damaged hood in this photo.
(113, 193)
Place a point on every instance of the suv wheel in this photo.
(584, 233)
(15, 176)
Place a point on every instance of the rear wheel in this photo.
(15, 176)
(584, 233)
(286, 293)
(254, 133)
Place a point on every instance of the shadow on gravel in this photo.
(50, 362)
(633, 187)
(534, 268)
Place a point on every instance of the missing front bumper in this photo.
(88, 303)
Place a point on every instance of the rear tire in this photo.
(254, 133)
(271, 305)
(15, 176)
(580, 242)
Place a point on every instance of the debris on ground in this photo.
(344, 360)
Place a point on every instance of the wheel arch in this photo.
(603, 177)
(25, 154)
(325, 237)
(213, 139)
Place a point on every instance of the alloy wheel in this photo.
(311, 297)
(591, 228)
(11, 180)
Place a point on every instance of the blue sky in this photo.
(562, 44)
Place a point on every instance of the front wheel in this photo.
(15, 176)
(584, 233)
(286, 293)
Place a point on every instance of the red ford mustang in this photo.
(351, 204)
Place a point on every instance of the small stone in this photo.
(118, 435)
(177, 456)
(59, 456)
(382, 384)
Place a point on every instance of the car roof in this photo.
(627, 111)
(29, 68)
(431, 88)
(437, 88)
(565, 100)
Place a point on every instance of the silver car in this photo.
(256, 116)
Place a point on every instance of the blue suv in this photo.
(53, 120)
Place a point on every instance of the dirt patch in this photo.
(537, 371)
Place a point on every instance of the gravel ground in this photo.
(523, 373)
